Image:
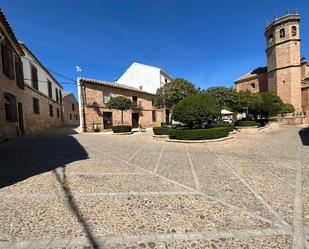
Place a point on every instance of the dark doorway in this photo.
(135, 120)
(21, 118)
(108, 120)
(167, 116)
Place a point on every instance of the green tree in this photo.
(287, 108)
(248, 102)
(196, 109)
(171, 93)
(271, 105)
(120, 103)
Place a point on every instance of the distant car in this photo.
(227, 121)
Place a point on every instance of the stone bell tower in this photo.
(283, 58)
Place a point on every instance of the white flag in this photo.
(78, 69)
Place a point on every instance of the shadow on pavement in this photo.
(74, 207)
(304, 136)
(30, 156)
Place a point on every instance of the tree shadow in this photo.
(74, 207)
(304, 136)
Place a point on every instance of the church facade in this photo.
(286, 73)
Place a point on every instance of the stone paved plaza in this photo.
(66, 190)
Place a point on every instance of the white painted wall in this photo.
(149, 77)
(42, 76)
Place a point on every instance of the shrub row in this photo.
(230, 127)
(161, 130)
(122, 128)
(247, 123)
(199, 134)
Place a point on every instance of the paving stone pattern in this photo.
(60, 189)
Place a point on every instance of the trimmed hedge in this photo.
(122, 128)
(247, 123)
(230, 127)
(199, 134)
(161, 130)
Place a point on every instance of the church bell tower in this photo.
(283, 58)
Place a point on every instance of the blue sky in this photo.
(206, 42)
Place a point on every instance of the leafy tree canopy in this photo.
(287, 108)
(247, 101)
(271, 105)
(196, 109)
(120, 103)
(226, 97)
(171, 93)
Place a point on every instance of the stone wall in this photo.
(93, 114)
(294, 120)
(259, 83)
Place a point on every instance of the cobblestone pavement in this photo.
(66, 190)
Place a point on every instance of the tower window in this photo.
(270, 39)
(282, 33)
(252, 86)
(294, 31)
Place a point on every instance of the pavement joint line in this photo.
(257, 195)
(298, 241)
(159, 159)
(103, 174)
(110, 240)
(134, 155)
(193, 173)
(274, 175)
(241, 210)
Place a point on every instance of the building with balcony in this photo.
(94, 95)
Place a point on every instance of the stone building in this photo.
(144, 77)
(70, 109)
(30, 98)
(94, 96)
(286, 73)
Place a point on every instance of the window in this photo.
(282, 33)
(270, 39)
(134, 101)
(58, 113)
(294, 31)
(165, 80)
(57, 96)
(60, 96)
(71, 116)
(7, 60)
(19, 72)
(154, 116)
(49, 86)
(34, 77)
(73, 107)
(253, 85)
(106, 98)
(36, 106)
(76, 117)
(10, 107)
(51, 110)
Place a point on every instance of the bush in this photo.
(161, 130)
(122, 128)
(199, 134)
(230, 127)
(247, 123)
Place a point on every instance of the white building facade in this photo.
(144, 77)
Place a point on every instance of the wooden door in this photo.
(135, 120)
(108, 120)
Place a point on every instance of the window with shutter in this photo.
(73, 107)
(60, 96)
(58, 113)
(49, 85)
(57, 96)
(36, 107)
(19, 72)
(7, 61)
(10, 107)
(51, 111)
(34, 77)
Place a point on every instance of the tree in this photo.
(171, 93)
(287, 108)
(248, 102)
(120, 103)
(271, 105)
(196, 109)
